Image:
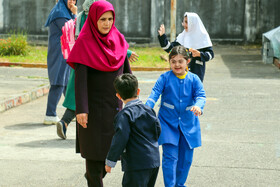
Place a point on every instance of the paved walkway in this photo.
(240, 128)
(21, 85)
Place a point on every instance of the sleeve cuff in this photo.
(110, 163)
(129, 52)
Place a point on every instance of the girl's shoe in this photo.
(61, 129)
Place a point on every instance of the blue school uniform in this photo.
(177, 98)
(180, 127)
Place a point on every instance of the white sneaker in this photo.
(51, 120)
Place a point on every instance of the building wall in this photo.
(225, 20)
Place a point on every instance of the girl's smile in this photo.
(178, 64)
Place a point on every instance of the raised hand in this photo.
(161, 30)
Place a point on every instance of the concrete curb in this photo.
(26, 65)
(24, 98)
(29, 65)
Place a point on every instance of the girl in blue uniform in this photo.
(182, 101)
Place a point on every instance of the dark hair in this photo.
(179, 50)
(126, 85)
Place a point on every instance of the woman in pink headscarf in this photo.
(98, 56)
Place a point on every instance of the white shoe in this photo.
(51, 120)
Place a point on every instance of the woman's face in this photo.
(70, 3)
(105, 22)
(185, 23)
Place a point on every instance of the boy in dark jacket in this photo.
(136, 137)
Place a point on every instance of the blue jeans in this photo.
(54, 96)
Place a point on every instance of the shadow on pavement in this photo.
(249, 66)
(26, 126)
(53, 143)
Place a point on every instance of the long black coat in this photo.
(96, 95)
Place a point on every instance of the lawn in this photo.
(148, 56)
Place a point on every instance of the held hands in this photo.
(133, 57)
(82, 119)
(108, 169)
(195, 53)
(196, 110)
(161, 30)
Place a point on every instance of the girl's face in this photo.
(178, 64)
(70, 3)
(185, 24)
(105, 22)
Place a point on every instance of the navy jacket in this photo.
(197, 64)
(136, 138)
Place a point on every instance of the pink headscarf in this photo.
(101, 52)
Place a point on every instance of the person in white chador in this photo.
(195, 38)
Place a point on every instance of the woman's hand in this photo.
(73, 8)
(82, 119)
(195, 53)
(161, 30)
(133, 57)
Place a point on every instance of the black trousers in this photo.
(95, 173)
(68, 116)
(140, 178)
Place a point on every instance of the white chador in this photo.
(196, 37)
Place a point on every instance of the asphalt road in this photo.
(240, 131)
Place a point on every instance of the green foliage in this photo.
(15, 44)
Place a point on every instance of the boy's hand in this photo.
(82, 119)
(161, 30)
(196, 110)
(108, 169)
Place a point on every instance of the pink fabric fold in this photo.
(68, 38)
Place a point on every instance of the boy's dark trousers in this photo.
(95, 173)
(140, 178)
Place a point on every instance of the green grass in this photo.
(35, 54)
(148, 56)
